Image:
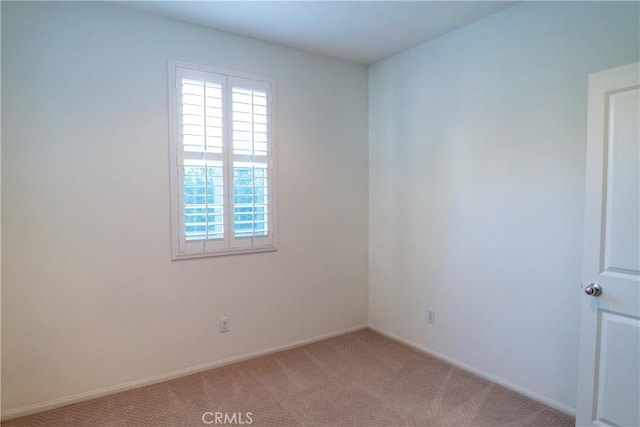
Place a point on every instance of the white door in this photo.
(609, 368)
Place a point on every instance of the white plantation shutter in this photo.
(223, 198)
(250, 105)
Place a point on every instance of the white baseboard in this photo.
(507, 384)
(105, 391)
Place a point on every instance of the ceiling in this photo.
(362, 32)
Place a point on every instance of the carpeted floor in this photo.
(360, 379)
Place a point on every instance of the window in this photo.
(222, 162)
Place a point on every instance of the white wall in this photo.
(477, 160)
(90, 295)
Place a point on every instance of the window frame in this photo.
(182, 248)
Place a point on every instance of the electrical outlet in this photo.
(431, 316)
(224, 325)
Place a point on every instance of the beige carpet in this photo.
(360, 379)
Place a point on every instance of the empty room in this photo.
(340, 213)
